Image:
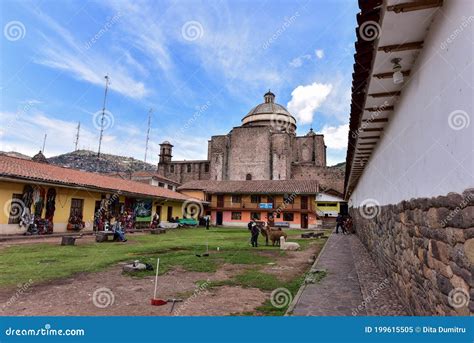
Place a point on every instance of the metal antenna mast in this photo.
(103, 114)
(148, 132)
(44, 142)
(77, 135)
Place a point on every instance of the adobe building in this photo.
(264, 147)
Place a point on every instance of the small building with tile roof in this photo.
(55, 194)
(288, 203)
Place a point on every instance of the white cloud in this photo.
(335, 137)
(305, 100)
(298, 61)
(319, 53)
(63, 52)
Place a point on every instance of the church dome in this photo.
(272, 114)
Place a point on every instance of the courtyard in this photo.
(41, 277)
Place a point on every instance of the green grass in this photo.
(42, 262)
(45, 262)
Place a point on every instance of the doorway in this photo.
(218, 218)
(169, 215)
(304, 220)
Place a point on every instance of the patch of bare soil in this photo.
(293, 264)
(110, 293)
(220, 302)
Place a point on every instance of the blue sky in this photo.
(200, 65)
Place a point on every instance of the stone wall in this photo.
(249, 153)
(328, 177)
(426, 246)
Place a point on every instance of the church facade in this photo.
(264, 147)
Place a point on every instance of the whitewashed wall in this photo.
(420, 154)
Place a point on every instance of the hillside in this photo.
(88, 161)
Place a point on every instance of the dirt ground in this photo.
(116, 294)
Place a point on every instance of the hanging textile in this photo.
(50, 204)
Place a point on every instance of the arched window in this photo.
(248, 177)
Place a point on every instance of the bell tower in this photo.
(166, 151)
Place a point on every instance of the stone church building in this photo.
(264, 147)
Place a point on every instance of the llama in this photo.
(273, 235)
(288, 245)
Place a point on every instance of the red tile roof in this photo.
(154, 175)
(254, 186)
(17, 168)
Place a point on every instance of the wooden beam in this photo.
(379, 109)
(414, 6)
(372, 129)
(401, 47)
(369, 137)
(389, 74)
(375, 120)
(368, 143)
(365, 149)
(384, 94)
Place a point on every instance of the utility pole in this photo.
(103, 114)
(77, 135)
(44, 142)
(148, 132)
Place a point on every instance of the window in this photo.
(236, 199)
(206, 168)
(17, 209)
(255, 199)
(255, 215)
(77, 205)
(289, 198)
(172, 168)
(170, 187)
(208, 197)
(248, 177)
(188, 168)
(288, 217)
(236, 215)
(161, 184)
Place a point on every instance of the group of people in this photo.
(345, 223)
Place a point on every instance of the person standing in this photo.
(254, 231)
(207, 219)
(340, 224)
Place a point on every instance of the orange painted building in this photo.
(288, 203)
